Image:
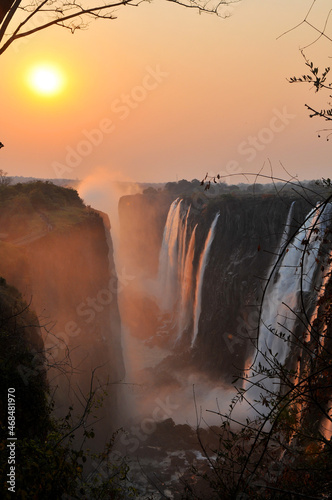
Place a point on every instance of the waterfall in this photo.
(288, 227)
(180, 285)
(182, 246)
(175, 276)
(187, 284)
(295, 274)
(200, 276)
(168, 259)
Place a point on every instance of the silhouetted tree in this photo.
(21, 18)
(316, 78)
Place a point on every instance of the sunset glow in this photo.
(46, 80)
(194, 94)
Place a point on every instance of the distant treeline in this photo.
(216, 187)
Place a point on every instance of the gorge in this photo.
(210, 290)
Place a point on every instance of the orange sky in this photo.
(162, 94)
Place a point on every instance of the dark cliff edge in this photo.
(54, 250)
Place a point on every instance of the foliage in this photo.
(41, 194)
(319, 81)
(39, 207)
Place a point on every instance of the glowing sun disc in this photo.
(46, 80)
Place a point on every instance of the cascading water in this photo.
(200, 276)
(180, 285)
(175, 276)
(182, 245)
(168, 260)
(296, 273)
(187, 285)
(288, 227)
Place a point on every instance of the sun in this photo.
(46, 80)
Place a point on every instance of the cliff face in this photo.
(58, 257)
(142, 221)
(247, 238)
(244, 250)
(74, 292)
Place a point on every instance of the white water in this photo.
(181, 286)
(288, 227)
(187, 284)
(168, 260)
(180, 290)
(282, 302)
(182, 244)
(200, 276)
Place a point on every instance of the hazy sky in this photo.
(163, 93)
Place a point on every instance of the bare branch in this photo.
(322, 33)
(73, 15)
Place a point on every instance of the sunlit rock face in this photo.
(142, 221)
(200, 273)
(60, 257)
(74, 289)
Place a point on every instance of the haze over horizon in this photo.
(161, 94)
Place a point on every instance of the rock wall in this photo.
(64, 267)
(244, 249)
